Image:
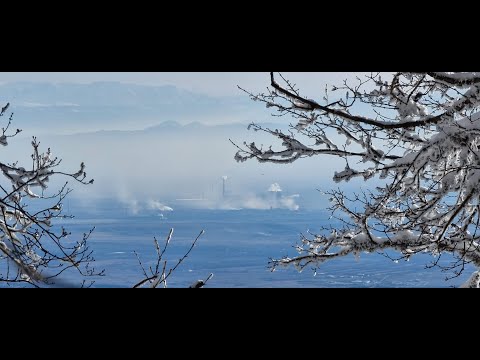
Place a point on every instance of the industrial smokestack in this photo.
(224, 178)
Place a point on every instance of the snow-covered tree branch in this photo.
(419, 139)
(33, 249)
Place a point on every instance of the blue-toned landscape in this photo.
(236, 248)
(254, 168)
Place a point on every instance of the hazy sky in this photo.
(147, 165)
(212, 83)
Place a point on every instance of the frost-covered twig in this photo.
(32, 250)
(422, 147)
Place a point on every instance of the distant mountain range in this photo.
(69, 108)
(154, 142)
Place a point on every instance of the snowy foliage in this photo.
(421, 143)
(32, 249)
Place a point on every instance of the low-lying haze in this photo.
(155, 147)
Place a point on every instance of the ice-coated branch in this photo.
(32, 249)
(420, 142)
(458, 79)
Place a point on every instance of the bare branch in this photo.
(38, 251)
(422, 146)
(159, 277)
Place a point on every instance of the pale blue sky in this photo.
(212, 83)
(161, 165)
